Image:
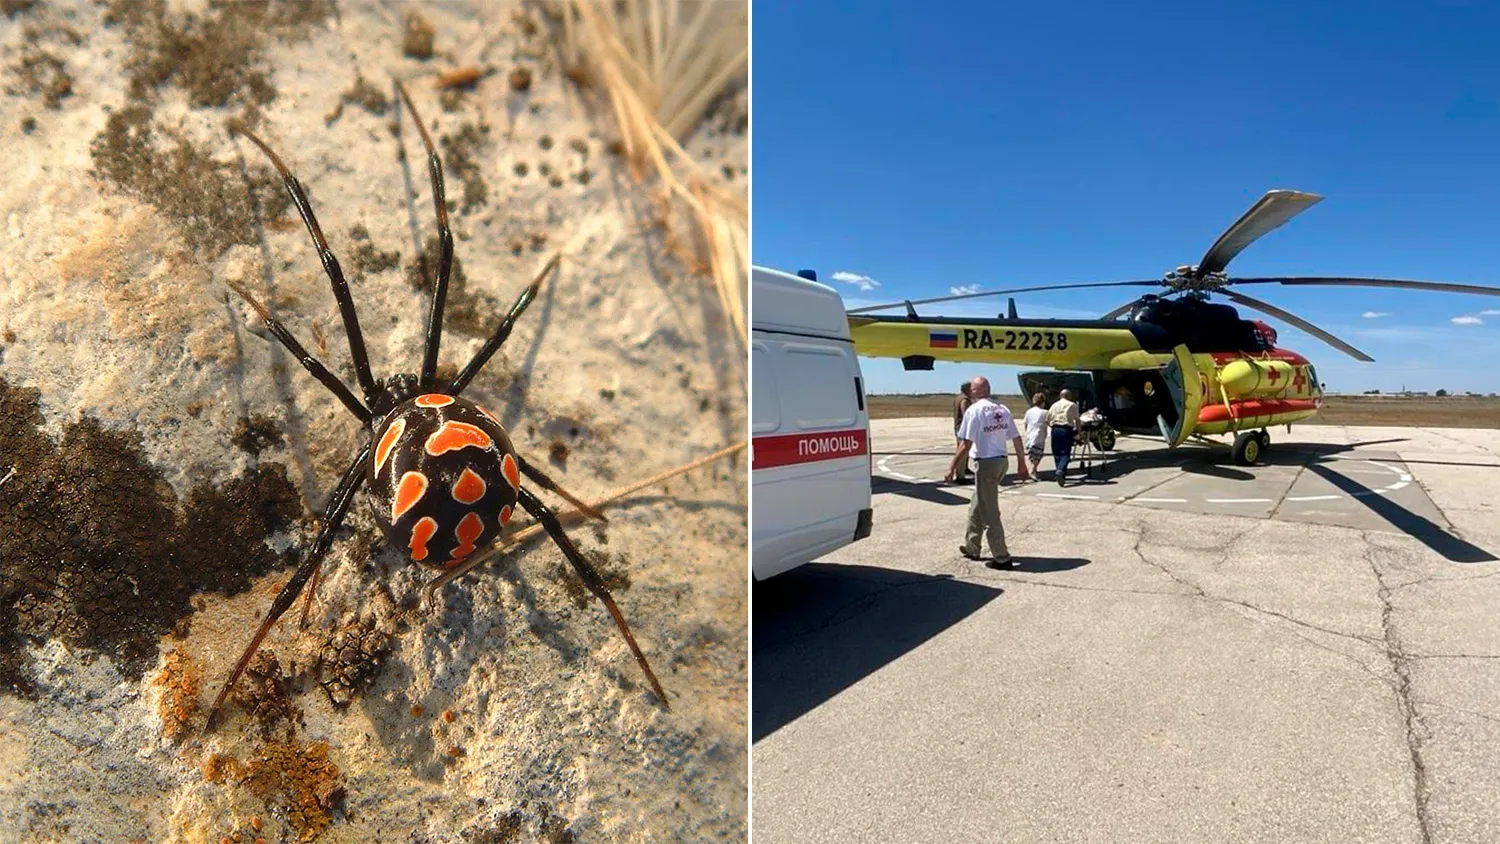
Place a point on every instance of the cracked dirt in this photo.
(1144, 674)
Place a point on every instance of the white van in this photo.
(810, 431)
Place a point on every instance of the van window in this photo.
(812, 387)
(764, 406)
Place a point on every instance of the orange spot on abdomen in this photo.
(469, 487)
(456, 435)
(433, 400)
(468, 531)
(511, 471)
(388, 442)
(411, 489)
(421, 534)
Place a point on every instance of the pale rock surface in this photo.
(108, 308)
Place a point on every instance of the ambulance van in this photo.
(810, 431)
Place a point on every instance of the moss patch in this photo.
(348, 660)
(464, 310)
(256, 434)
(40, 73)
(206, 198)
(367, 258)
(96, 550)
(461, 159)
(215, 57)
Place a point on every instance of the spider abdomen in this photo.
(443, 478)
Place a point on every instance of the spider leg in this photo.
(547, 483)
(310, 363)
(503, 331)
(330, 264)
(333, 516)
(591, 579)
(312, 595)
(445, 245)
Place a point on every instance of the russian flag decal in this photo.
(942, 340)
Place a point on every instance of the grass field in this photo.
(1449, 412)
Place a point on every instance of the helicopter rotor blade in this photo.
(1115, 314)
(1268, 308)
(1448, 287)
(870, 308)
(1268, 213)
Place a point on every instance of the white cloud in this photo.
(1376, 314)
(1490, 312)
(964, 289)
(863, 282)
(1467, 320)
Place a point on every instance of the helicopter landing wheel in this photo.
(1265, 440)
(1247, 445)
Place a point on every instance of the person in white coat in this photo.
(1035, 426)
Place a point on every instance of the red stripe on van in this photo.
(787, 449)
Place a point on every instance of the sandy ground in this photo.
(1198, 669)
(509, 711)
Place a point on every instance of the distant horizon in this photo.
(901, 156)
(1452, 394)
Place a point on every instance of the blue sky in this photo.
(927, 147)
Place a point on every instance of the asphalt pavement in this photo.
(1304, 650)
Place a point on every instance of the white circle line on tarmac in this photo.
(1238, 500)
(1404, 480)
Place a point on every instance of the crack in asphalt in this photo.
(1450, 706)
(1202, 594)
(1442, 578)
(1289, 487)
(1417, 732)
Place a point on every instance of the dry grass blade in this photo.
(657, 66)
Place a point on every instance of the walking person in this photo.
(985, 427)
(960, 406)
(1062, 418)
(1035, 425)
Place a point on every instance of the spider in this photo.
(444, 477)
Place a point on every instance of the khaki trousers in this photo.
(984, 509)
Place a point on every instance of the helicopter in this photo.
(1173, 364)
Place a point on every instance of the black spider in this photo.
(444, 478)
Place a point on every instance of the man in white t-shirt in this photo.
(986, 427)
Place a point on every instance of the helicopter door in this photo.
(1051, 382)
(1186, 386)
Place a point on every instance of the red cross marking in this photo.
(1300, 379)
(1274, 375)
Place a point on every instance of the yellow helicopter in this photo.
(1178, 366)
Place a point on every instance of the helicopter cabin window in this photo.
(1259, 342)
